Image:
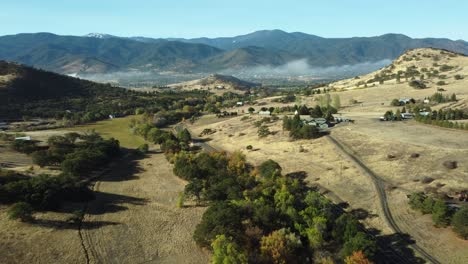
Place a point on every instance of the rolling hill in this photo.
(101, 53)
(224, 83)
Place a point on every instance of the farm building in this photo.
(407, 115)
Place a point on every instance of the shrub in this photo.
(22, 211)
(180, 200)
(269, 169)
(249, 147)
(417, 84)
(263, 131)
(395, 102)
(449, 164)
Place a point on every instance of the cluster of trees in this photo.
(442, 215)
(77, 155)
(298, 130)
(440, 98)
(391, 116)
(443, 118)
(259, 215)
(170, 144)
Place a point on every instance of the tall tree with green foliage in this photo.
(440, 213)
(184, 136)
(460, 222)
(225, 251)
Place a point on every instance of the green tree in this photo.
(225, 251)
(269, 169)
(220, 218)
(22, 211)
(184, 136)
(416, 200)
(41, 158)
(360, 242)
(251, 110)
(427, 205)
(195, 188)
(460, 222)
(440, 213)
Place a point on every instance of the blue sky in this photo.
(214, 18)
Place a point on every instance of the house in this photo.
(342, 119)
(264, 113)
(28, 138)
(407, 115)
(240, 103)
(320, 121)
(406, 101)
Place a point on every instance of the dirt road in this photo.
(380, 188)
(135, 209)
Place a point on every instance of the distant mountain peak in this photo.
(99, 35)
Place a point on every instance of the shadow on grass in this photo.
(57, 224)
(397, 249)
(125, 168)
(111, 203)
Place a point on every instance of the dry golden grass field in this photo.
(372, 142)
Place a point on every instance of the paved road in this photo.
(380, 187)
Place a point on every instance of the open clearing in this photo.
(117, 128)
(137, 203)
(134, 219)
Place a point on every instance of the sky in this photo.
(217, 18)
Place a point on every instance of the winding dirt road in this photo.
(380, 187)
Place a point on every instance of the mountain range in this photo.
(103, 53)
